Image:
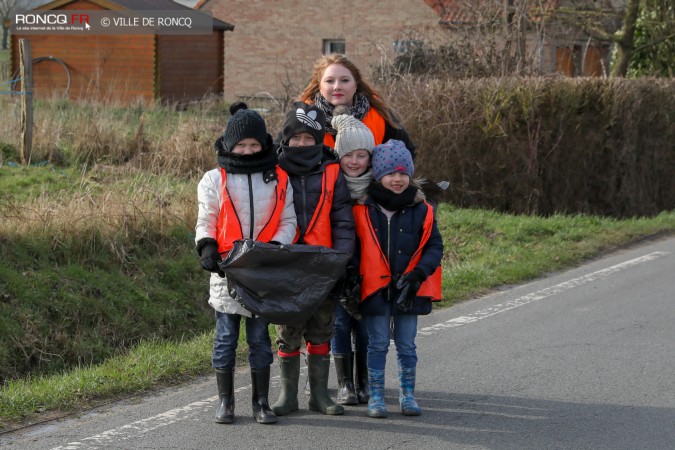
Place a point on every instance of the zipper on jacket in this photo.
(389, 256)
(250, 196)
(304, 208)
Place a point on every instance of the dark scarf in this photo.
(359, 109)
(263, 161)
(300, 160)
(390, 200)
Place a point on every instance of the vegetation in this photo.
(545, 146)
(92, 263)
(502, 38)
(524, 145)
(4, 70)
(654, 44)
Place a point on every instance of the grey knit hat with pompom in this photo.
(352, 134)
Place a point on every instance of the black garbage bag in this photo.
(284, 284)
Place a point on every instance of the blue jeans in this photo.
(344, 325)
(405, 329)
(227, 338)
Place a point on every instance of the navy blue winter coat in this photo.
(399, 239)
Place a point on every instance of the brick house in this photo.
(271, 51)
(274, 44)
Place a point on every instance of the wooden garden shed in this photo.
(126, 68)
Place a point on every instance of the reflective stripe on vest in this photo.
(375, 123)
(319, 230)
(228, 228)
(374, 266)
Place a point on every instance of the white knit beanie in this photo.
(351, 135)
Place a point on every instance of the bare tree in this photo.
(7, 7)
(624, 39)
(477, 38)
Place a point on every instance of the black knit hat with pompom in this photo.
(244, 123)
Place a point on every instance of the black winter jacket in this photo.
(306, 195)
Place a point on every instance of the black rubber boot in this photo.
(289, 370)
(346, 395)
(361, 383)
(260, 379)
(319, 400)
(225, 381)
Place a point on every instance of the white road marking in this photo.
(144, 426)
(538, 295)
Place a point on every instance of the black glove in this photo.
(409, 284)
(350, 297)
(209, 256)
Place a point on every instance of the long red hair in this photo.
(362, 87)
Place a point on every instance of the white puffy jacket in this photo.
(262, 197)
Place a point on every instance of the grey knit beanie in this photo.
(244, 123)
(352, 134)
(392, 156)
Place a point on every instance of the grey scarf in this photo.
(358, 186)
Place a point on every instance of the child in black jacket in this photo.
(323, 208)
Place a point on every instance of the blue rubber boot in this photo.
(406, 379)
(376, 406)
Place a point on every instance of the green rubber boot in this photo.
(319, 400)
(289, 372)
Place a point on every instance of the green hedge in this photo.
(545, 145)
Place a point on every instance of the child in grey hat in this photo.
(354, 144)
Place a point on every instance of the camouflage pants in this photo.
(318, 329)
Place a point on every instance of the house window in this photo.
(333, 46)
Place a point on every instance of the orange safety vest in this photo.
(374, 266)
(228, 228)
(373, 120)
(319, 230)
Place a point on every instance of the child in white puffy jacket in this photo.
(247, 197)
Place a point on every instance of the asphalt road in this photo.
(583, 359)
